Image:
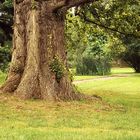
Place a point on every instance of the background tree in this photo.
(131, 55)
(117, 18)
(87, 47)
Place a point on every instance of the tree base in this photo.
(76, 96)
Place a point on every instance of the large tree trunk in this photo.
(38, 68)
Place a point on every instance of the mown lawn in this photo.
(122, 70)
(117, 117)
(114, 71)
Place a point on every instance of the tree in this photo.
(131, 55)
(120, 19)
(96, 57)
(39, 68)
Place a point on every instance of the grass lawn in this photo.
(114, 71)
(84, 77)
(122, 70)
(116, 118)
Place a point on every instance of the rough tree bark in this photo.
(38, 68)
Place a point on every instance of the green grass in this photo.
(84, 77)
(122, 70)
(119, 88)
(116, 118)
(114, 71)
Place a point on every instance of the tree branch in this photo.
(72, 3)
(53, 4)
(109, 28)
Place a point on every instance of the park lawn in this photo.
(117, 117)
(114, 72)
(118, 90)
(84, 77)
(122, 70)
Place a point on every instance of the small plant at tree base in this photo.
(57, 67)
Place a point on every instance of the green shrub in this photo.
(92, 66)
(5, 57)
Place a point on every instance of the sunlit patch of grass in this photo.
(125, 85)
(77, 78)
(114, 72)
(122, 70)
(125, 91)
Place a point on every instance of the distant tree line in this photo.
(117, 21)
